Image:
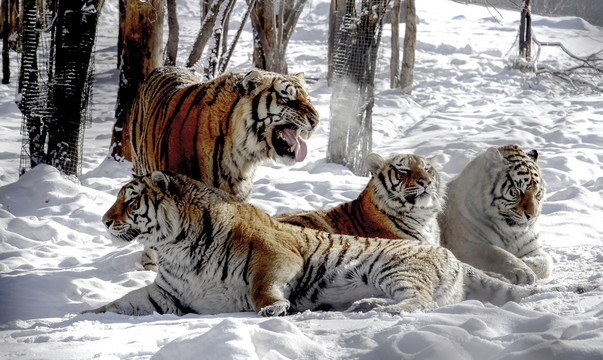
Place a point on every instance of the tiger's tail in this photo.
(480, 286)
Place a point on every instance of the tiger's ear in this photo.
(433, 160)
(493, 155)
(251, 81)
(160, 180)
(374, 162)
(301, 76)
(533, 154)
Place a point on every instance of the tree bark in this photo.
(335, 18)
(29, 86)
(68, 96)
(120, 34)
(352, 99)
(224, 61)
(171, 48)
(525, 32)
(205, 33)
(5, 32)
(218, 37)
(54, 110)
(272, 30)
(394, 65)
(143, 35)
(410, 43)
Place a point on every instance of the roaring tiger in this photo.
(219, 131)
(220, 255)
(491, 214)
(401, 201)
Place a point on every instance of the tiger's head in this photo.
(281, 116)
(142, 209)
(406, 182)
(519, 187)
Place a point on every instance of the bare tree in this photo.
(336, 15)
(354, 61)
(410, 43)
(142, 49)
(217, 39)
(10, 34)
(273, 24)
(54, 101)
(171, 47)
(213, 34)
(394, 65)
(525, 32)
(207, 26)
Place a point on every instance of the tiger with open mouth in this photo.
(219, 131)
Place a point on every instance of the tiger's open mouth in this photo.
(288, 142)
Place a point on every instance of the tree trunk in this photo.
(410, 43)
(525, 32)
(394, 65)
(120, 35)
(5, 32)
(352, 99)
(143, 35)
(171, 48)
(29, 87)
(205, 33)
(68, 96)
(226, 58)
(272, 30)
(54, 107)
(335, 18)
(218, 36)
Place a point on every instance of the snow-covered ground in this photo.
(56, 259)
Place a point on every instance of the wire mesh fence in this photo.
(52, 127)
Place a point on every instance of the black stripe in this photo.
(247, 261)
(158, 308)
(226, 260)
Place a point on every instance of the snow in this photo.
(56, 259)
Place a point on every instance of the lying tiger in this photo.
(492, 212)
(219, 255)
(401, 201)
(219, 131)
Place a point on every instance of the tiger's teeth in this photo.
(297, 133)
(293, 147)
(306, 134)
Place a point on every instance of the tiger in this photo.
(219, 131)
(490, 220)
(218, 255)
(401, 201)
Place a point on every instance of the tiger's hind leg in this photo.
(150, 258)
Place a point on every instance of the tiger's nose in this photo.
(528, 215)
(424, 182)
(107, 221)
(313, 120)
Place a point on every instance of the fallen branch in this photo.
(590, 66)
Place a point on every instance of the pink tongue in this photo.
(301, 149)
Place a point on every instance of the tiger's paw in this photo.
(366, 305)
(279, 308)
(521, 276)
(100, 310)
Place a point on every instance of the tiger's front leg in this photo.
(150, 258)
(540, 262)
(491, 258)
(269, 284)
(143, 301)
